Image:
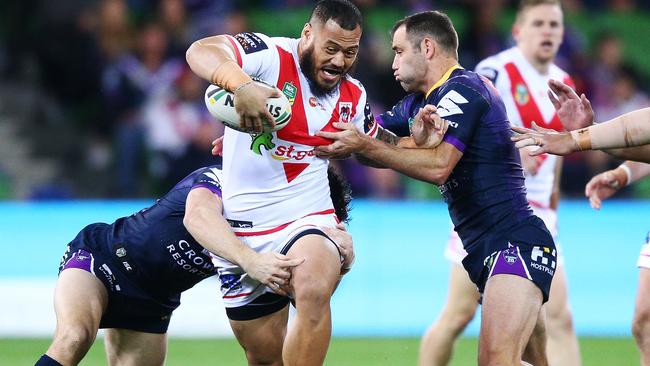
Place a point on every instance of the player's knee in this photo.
(316, 293)
(560, 320)
(493, 355)
(641, 324)
(72, 338)
(264, 358)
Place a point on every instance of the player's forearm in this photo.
(630, 129)
(637, 170)
(428, 165)
(555, 192)
(639, 153)
(213, 59)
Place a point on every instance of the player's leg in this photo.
(313, 283)
(641, 322)
(535, 350)
(563, 348)
(462, 300)
(80, 299)
(126, 347)
(262, 338)
(511, 306)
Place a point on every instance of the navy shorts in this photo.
(129, 306)
(526, 250)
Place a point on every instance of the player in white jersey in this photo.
(277, 189)
(520, 74)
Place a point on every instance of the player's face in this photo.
(409, 63)
(539, 32)
(329, 52)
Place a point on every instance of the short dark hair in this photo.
(435, 24)
(343, 12)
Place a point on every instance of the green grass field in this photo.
(343, 352)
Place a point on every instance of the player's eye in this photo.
(330, 50)
(350, 53)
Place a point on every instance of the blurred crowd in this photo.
(101, 88)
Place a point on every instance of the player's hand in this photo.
(343, 241)
(345, 142)
(217, 146)
(272, 269)
(428, 127)
(250, 104)
(604, 185)
(574, 111)
(549, 141)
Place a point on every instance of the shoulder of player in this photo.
(355, 85)
(468, 84)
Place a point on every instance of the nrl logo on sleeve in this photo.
(345, 111)
(250, 42)
(448, 104)
(289, 90)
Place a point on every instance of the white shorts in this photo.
(239, 289)
(644, 256)
(455, 253)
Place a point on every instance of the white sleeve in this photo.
(256, 54)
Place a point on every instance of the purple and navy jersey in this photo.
(485, 192)
(154, 247)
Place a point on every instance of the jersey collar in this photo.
(442, 80)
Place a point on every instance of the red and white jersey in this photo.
(524, 92)
(273, 179)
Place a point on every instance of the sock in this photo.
(46, 360)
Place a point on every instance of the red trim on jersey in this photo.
(528, 111)
(537, 204)
(238, 295)
(234, 45)
(348, 93)
(292, 170)
(278, 228)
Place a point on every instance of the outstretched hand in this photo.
(575, 112)
(603, 186)
(273, 270)
(344, 242)
(344, 142)
(428, 127)
(549, 141)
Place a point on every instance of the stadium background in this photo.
(90, 129)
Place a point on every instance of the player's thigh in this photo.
(320, 271)
(557, 305)
(80, 300)
(262, 338)
(642, 310)
(126, 347)
(511, 306)
(463, 296)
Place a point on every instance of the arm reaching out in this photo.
(606, 184)
(204, 221)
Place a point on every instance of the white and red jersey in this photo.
(525, 94)
(273, 179)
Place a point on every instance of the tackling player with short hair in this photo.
(277, 192)
(511, 254)
(520, 74)
(128, 276)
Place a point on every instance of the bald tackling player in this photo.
(277, 194)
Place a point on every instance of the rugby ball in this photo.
(221, 105)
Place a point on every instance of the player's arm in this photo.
(213, 59)
(555, 192)
(204, 221)
(606, 184)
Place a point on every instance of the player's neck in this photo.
(437, 72)
(542, 67)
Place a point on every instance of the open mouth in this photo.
(547, 44)
(330, 73)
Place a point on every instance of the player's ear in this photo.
(515, 31)
(306, 31)
(428, 47)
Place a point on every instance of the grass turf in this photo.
(343, 352)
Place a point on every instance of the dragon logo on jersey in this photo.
(345, 111)
(264, 139)
(521, 94)
(289, 90)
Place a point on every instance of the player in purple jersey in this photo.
(128, 276)
(511, 254)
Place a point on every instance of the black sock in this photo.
(46, 360)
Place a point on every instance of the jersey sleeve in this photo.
(256, 53)
(365, 121)
(489, 69)
(397, 120)
(463, 107)
(209, 178)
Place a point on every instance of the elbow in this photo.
(190, 54)
(437, 176)
(190, 221)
